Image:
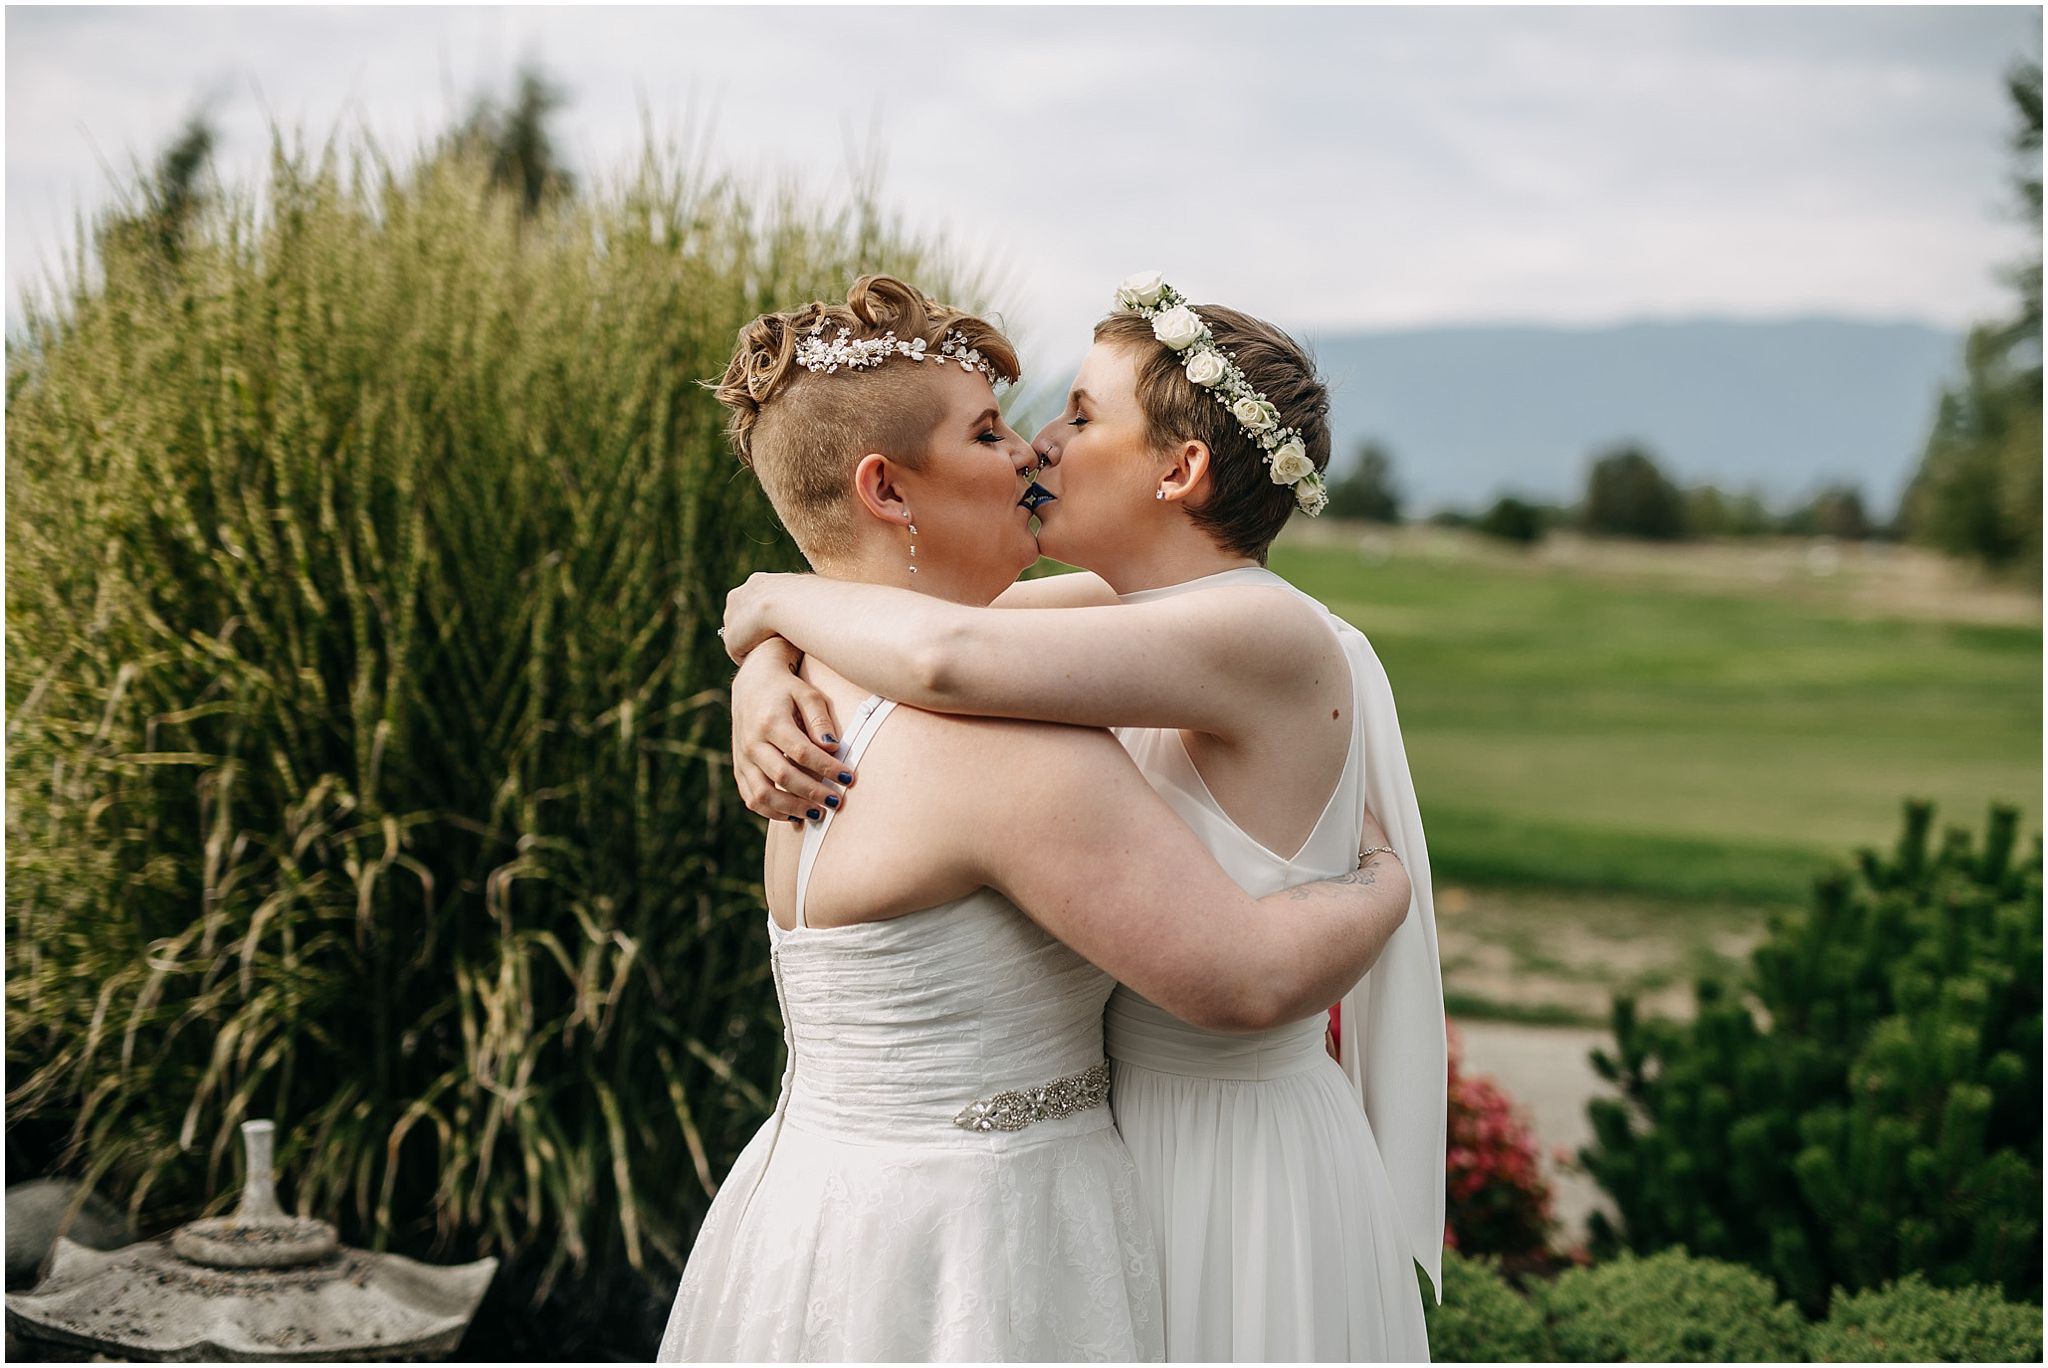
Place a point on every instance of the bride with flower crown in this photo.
(941, 1177)
(1291, 1196)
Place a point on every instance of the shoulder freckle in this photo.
(1333, 714)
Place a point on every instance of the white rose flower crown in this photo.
(1211, 368)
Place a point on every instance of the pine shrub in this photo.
(1911, 1321)
(1670, 1308)
(1512, 520)
(1627, 495)
(1869, 1104)
(1483, 1319)
(367, 723)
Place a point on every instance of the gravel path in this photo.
(1545, 1072)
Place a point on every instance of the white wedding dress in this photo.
(880, 1214)
(1292, 1197)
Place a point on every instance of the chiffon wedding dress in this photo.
(941, 1178)
(1291, 1197)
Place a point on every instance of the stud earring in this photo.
(1158, 493)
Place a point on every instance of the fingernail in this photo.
(816, 815)
(830, 739)
(845, 778)
(830, 801)
(796, 821)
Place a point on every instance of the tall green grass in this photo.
(367, 724)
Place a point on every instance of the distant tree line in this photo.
(1627, 494)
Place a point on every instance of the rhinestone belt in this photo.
(1018, 1108)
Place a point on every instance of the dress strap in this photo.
(867, 719)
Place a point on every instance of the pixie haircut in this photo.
(802, 432)
(1245, 510)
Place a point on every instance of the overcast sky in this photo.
(1328, 168)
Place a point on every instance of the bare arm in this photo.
(1081, 589)
(1188, 661)
(1113, 872)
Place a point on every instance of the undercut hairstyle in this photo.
(1245, 510)
(802, 432)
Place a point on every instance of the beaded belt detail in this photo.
(1018, 1108)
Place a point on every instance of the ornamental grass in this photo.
(368, 730)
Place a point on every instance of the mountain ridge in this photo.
(1472, 411)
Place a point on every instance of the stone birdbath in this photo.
(256, 1285)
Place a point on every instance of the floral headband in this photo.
(1209, 366)
(814, 353)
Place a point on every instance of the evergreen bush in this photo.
(1367, 490)
(1911, 1321)
(1627, 495)
(367, 722)
(1669, 1307)
(1869, 1104)
(1482, 1319)
(1512, 520)
(1977, 492)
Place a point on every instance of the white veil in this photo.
(1391, 1029)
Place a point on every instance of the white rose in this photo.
(1290, 463)
(1256, 414)
(1309, 496)
(1205, 368)
(1141, 290)
(1178, 327)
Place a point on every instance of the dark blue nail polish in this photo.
(845, 778)
(831, 801)
(830, 739)
(816, 815)
(796, 821)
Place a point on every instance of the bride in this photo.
(941, 1177)
(1289, 1195)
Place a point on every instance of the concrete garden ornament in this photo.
(256, 1285)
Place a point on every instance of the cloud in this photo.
(1327, 167)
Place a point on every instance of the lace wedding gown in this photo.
(1290, 1197)
(941, 1178)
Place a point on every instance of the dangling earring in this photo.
(913, 543)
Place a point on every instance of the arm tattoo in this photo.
(1362, 877)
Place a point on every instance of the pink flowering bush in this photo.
(1497, 1200)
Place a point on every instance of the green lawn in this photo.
(1574, 732)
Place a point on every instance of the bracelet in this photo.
(1364, 854)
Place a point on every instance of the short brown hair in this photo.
(802, 432)
(1245, 510)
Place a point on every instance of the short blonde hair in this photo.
(802, 432)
